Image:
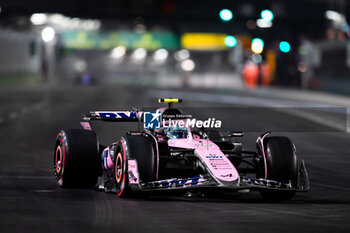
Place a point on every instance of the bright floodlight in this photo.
(267, 15)
(118, 52)
(225, 15)
(230, 41)
(187, 65)
(139, 54)
(160, 55)
(257, 45)
(284, 46)
(335, 16)
(38, 19)
(80, 65)
(182, 54)
(48, 34)
(262, 23)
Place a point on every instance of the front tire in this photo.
(121, 169)
(139, 148)
(76, 158)
(281, 165)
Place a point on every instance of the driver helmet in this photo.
(176, 132)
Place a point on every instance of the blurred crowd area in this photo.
(246, 44)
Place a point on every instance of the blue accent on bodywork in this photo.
(123, 115)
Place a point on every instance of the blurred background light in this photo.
(118, 52)
(64, 22)
(38, 19)
(267, 15)
(80, 65)
(302, 50)
(140, 28)
(226, 15)
(160, 55)
(262, 23)
(230, 41)
(182, 54)
(345, 27)
(256, 58)
(48, 34)
(333, 15)
(188, 65)
(284, 46)
(204, 41)
(139, 54)
(251, 24)
(257, 45)
(302, 67)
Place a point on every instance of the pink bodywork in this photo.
(85, 125)
(209, 153)
(108, 166)
(133, 172)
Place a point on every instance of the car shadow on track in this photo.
(254, 198)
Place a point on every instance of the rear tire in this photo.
(282, 166)
(76, 158)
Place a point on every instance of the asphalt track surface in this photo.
(30, 200)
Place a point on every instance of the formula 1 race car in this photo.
(170, 151)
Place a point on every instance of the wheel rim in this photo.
(119, 168)
(58, 159)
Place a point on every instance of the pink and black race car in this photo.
(167, 153)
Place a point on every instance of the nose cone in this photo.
(216, 162)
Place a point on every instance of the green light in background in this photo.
(284, 46)
(267, 15)
(230, 41)
(302, 50)
(225, 15)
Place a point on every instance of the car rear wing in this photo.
(115, 116)
(125, 116)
